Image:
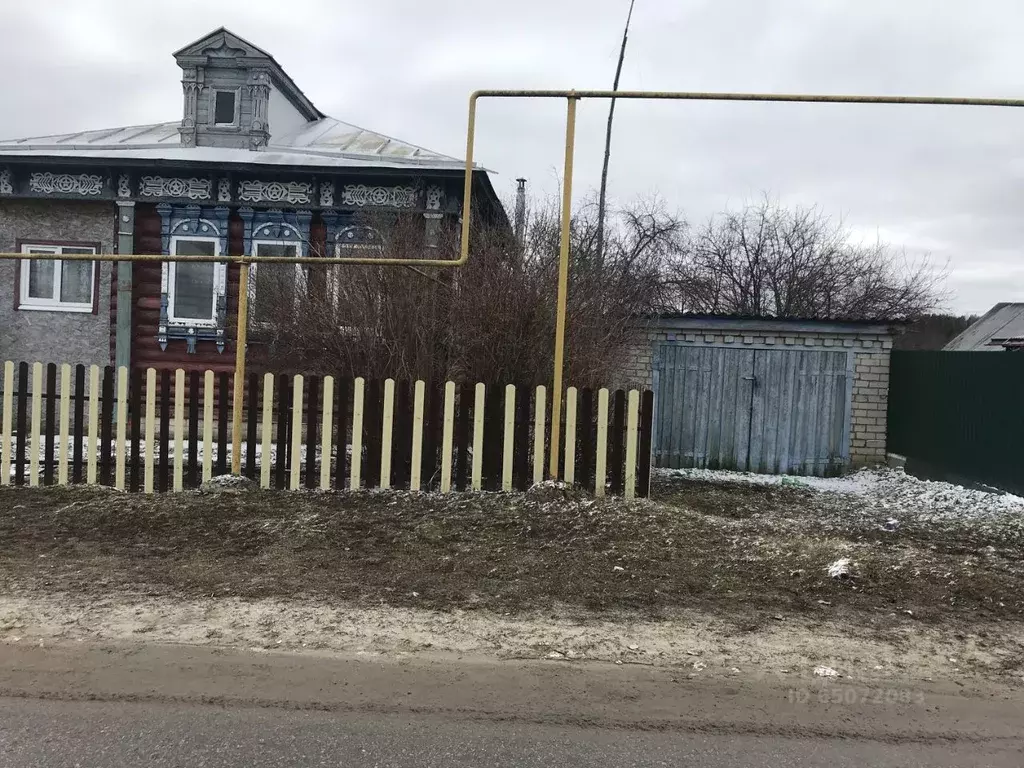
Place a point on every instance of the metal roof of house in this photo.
(1001, 324)
(324, 143)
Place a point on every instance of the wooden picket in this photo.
(6, 424)
(325, 434)
(135, 408)
(539, 421)
(167, 430)
(447, 437)
(121, 425)
(37, 404)
(252, 409)
(50, 416)
(65, 422)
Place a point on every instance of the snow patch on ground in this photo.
(889, 487)
(885, 499)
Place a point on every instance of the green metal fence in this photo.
(960, 413)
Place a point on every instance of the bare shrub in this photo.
(492, 320)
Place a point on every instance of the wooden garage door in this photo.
(760, 410)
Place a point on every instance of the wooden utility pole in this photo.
(601, 200)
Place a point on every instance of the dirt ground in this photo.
(714, 570)
(745, 550)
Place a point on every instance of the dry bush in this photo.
(492, 320)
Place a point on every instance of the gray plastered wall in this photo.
(47, 336)
(870, 345)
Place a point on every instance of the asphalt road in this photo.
(99, 707)
(105, 734)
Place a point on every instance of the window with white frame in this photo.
(275, 287)
(352, 241)
(192, 286)
(59, 285)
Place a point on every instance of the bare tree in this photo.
(768, 260)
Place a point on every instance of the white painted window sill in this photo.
(55, 308)
(189, 323)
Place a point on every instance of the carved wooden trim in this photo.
(66, 183)
(161, 186)
(294, 192)
(362, 195)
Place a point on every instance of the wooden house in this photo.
(252, 166)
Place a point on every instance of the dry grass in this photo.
(739, 550)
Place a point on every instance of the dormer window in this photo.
(225, 108)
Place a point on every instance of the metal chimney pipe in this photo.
(520, 218)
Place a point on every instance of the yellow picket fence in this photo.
(161, 430)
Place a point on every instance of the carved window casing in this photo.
(347, 235)
(275, 233)
(193, 228)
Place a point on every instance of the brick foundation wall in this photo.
(871, 370)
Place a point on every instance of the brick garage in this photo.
(796, 396)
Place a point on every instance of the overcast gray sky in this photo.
(948, 181)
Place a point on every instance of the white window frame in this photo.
(54, 304)
(300, 274)
(213, 107)
(334, 276)
(172, 319)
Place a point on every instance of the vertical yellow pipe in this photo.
(241, 339)
(35, 430)
(120, 446)
(326, 425)
(65, 424)
(447, 437)
(563, 287)
(6, 439)
(467, 191)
